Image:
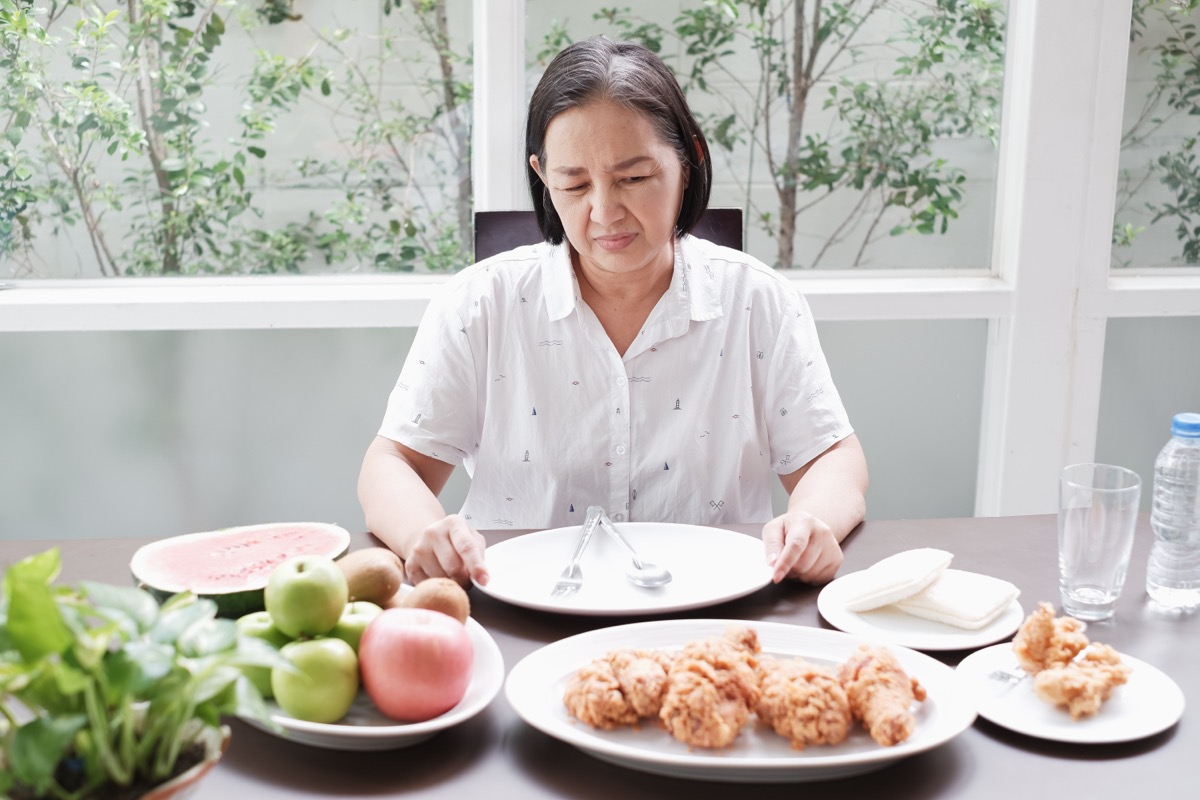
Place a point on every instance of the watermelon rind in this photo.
(231, 565)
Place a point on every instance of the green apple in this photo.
(354, 621)
(324, 683)
(306, 595)
(259, 625)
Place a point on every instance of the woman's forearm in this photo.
(833, 487)
(397, 501)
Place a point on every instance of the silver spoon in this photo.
(642, 573)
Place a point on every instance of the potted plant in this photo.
(106, 694)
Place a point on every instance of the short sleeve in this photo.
(804, 409)
(433, 408)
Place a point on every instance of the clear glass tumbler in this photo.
(1097, 514)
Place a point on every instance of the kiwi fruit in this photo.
(393, 602)
(373, 574)
(439, 594)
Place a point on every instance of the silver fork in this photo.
(571, 578)
(1008, 678)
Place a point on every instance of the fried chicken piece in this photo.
(881, 694)
(1044, 641)
(642, 675)
(594, 697)
(618, 688)
(802, 702)
(712, 687)
(1084, 684)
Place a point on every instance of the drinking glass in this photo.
(1097, 514)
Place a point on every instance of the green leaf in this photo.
(122, 673)
(35, 623)
(136, 605)
(172, 623)
(255, 652)
(38, 747)
(325, 88)
(44, 567)
(216, 681)
(153, 661)
(257, 152)
(207, 637)
(250, 704)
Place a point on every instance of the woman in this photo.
(620, 363)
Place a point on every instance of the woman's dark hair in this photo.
(626, 73)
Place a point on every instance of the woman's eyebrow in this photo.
(626, 164)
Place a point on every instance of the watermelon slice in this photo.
(231, 565)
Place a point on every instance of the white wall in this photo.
(157, 433)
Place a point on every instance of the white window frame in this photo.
(1047, 297)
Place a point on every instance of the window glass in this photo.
(859, 135)
(1157, 221)
(151, 138)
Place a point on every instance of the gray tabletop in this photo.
(497, 755)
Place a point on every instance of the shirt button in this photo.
(620, 449)
(619, 517)
(620, 381)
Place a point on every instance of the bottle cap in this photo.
(1186, 424)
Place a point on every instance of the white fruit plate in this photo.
(366, 728)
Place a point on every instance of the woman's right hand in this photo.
(448, 548)
(398, 489)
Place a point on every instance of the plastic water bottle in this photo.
(1173, 573)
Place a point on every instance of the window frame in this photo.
(1047, 296)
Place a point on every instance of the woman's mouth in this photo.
(615, 241)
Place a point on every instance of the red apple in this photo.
(415, 663)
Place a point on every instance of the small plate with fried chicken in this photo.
(722, 700)
(1052, 682)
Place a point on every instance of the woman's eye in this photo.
(636, 178)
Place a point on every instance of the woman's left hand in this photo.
(802, 547)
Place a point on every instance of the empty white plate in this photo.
(708, 566)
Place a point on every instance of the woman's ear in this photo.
(535, 166)
(699, 150)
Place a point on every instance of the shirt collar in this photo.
(694, 293)
(558, 278)
(702, 281)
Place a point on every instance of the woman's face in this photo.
(616, 186)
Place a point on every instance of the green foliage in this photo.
(1174, 98)
(865, 144)
(103, 675)
(1181, 175)
(110, 109)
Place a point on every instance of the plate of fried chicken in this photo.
(753, 702)
(1052, 682)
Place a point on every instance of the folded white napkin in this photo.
(963, 599)
(897, 577)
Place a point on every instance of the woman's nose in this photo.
(607, 207)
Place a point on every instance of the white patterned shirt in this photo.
(512, 376)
